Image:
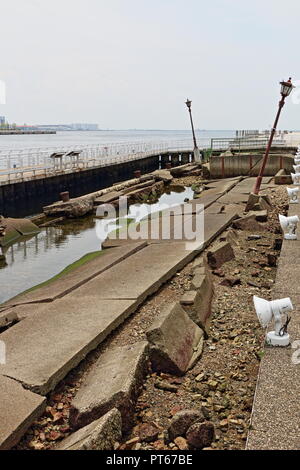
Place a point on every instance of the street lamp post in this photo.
(286, 88)
(197, 156)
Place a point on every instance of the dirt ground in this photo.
(223, 382)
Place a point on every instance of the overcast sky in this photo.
(132, 63)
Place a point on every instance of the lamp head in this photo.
(266, 311)
(293, 195)
(286, 88)
(188, 103)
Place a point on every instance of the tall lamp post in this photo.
(286, 88)
(197, 156)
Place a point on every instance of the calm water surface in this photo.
(32, 261)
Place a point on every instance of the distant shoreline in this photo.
(16, 132)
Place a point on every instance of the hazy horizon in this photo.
(132, 65)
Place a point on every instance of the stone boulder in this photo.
(176, 342)
(182, 421)
(201, 435)
(220, 254)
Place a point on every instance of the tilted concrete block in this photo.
(99, 435)
(114, 381)
(176, 342)
(220, 254)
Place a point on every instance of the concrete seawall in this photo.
(29, 196)
(237, 165)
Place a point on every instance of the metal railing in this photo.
(20, 164)
(250, 142)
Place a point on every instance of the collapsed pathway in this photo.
(61, 323)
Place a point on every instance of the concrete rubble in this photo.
(176, 342)
(114, 381)
(101, 434)
(77, 316)
(219, 255)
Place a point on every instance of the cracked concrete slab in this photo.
(18, 410)
(78, 277)
(44, 347)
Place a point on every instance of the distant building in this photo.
(2, 120)
(84, 127)
(69, 127)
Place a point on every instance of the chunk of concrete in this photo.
(114, 381)
(249, 223)
(18, 410)
(252, 200)
(45, 346)
(108, 197)
(7, 317)
(231, 237)
(163, 175)
(101, 434)
(260, 216)
(282, 178)
(176, 342)
(197, 302)
(220, 254)
(76, 207)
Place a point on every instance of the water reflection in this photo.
(33, 260)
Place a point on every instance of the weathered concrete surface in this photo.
(7, 317)
(102, 434)
(74, 208)
(18, 409)
(275, 423)
(197, 302)
(44, 347)
(282, 177)
(15, 228)
(219, 255)
(114, 381)
(249, 222)
(108, 197)
(176, 342)
(148, 269)
(179, 171)
(163, 175)
(78, 277)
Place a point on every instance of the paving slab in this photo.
(148, 269)
(78, 277)
(8, 317)
(108, 197)
(43, 348)
(18, 409)
(102, 434)
(275, 422)
(114, 381)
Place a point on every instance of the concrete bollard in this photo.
(137, 173)
(65, 196)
